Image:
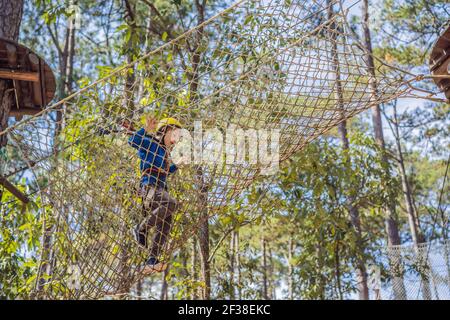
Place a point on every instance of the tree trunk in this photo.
(10, 19)
(290, 267)
(204, 252)
(272, 293)
(238, 265)
(414, 225)
(361, 274)
(139, 289)
(65, 86)
(320, 280)
(128, 94)
(66, 61)
(391, 222)
(413, 220)
(393, 234)
(125, 270)
(204, 215)
(337, 267)
(264, 268)
(165, 285)
(232, 260)
(143, 73)
(194, 275)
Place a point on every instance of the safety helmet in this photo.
(172, 122)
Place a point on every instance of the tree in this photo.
(65, 49)
(410, 30)
(392, 229)
(10, 18)
(342, 128)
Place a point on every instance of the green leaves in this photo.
(52, 13)
(19, 242)
(249, 18)
(307, 206)
(164, 36)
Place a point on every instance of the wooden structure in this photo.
(440, 62)
(34, 86)
(32, 79)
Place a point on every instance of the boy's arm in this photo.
(137, 141)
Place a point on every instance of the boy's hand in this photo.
(128, 126)
(150, 124)
(181, 161)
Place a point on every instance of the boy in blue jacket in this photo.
(155, 165)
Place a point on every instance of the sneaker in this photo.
(140, 237)
(153, 265)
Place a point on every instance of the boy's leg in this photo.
(148, 205)
(162, 219)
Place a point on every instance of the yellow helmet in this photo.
(172, 122)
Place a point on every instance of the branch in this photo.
(161, 18)
(130, 12)
(55, 40)
(13, 189)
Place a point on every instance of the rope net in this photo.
(290, 66)
(411, 272)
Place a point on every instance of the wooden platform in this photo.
(30, 76)
(440, 62)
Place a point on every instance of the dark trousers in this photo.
(158, 209)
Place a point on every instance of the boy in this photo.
(155, 165)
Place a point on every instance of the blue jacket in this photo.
(154, 156)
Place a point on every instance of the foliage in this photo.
(20, 231)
